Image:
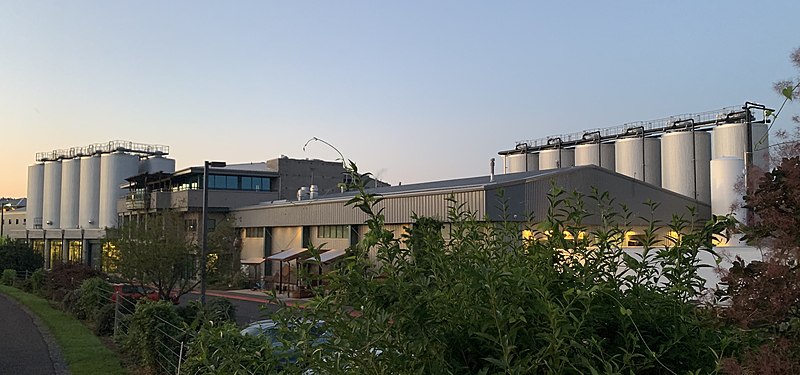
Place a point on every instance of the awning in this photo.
(329, 256)
(252, 261)
(289, 254)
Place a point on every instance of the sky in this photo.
(412, 91)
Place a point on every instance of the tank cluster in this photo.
(78, 188)
(702, 156)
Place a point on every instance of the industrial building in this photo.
(693, 160)
(75, 194)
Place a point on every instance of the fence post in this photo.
(180, 358)
(116, 313)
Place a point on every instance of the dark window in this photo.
(247, 183)
(254, 232)
(232, 183)
(333, 231)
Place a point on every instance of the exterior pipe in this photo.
(551, 141)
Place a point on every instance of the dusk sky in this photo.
(410, 90)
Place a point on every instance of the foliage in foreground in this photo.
(18, 255)
(474, 297)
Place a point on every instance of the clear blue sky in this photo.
(411, 90)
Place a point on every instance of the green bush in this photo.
(9, 276)
(486, 300)
(216, 311)
(69, 303)
(154, 335)
(104, 320)
(220, 349)
(37, 280)
(94, 294)
(24, 285)
(65, 277)
(18, 255)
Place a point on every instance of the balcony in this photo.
(137, 201)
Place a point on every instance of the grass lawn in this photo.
(82, 350)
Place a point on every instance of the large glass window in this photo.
(247, 183)
(75, 252)
(55, 253)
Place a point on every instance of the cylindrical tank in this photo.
(51, 206)
(70, 192)
(556, 158)
(523, 162)
(639, 158)
(683, 170)
(114, 169)
(155, 164)
(730, 140)
(593, 153)
(33, 210)
(313, 192)
(89, 202)
(726, 173)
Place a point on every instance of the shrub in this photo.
(65, 277)
(69, 303)
(9, 276)
(153, 334)
(23, 284)
(220, 349)
(486, 300)
(216, 310)
(94, 293)
(104, 320)
(37, 280)
(18, 255)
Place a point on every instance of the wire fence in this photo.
(173, 339)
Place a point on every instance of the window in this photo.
(254, 232)
(246, 183)
(16, 221)
(212, 224)
(332, 231)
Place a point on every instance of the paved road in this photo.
(246, 311)
(22, 349)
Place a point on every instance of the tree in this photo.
(765, 296)
(157, 250)
(17, 255)
(224, 246)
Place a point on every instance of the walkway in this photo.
(22, 348)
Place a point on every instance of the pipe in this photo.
(550, 142)
(491, 169)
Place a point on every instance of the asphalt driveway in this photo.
(22, 348)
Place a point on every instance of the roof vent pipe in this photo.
(313, 192)
(302, 193)
(491, 170)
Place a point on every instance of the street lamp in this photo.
(204, 249)
(344, 162)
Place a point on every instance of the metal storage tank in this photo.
(639, 158)
(685, 164)
(70, 192)
(594, 153)
(33, 211)
(51, 204)
(155, 164)
(523, 162)
(730, 140)
(89, 202)
(556, 158)
(726, 173)
(114, 169)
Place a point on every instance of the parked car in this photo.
(271, 331)
(135, 292)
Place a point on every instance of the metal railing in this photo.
(103, 148)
